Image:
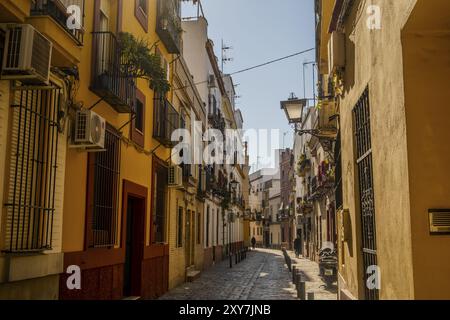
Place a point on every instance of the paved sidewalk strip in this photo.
(262, 276)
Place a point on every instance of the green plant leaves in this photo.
(140, 62)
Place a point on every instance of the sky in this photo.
(260, 31)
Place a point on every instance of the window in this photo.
(141, 13)
(180, 228)
(34, 162)
(364, 163)
(164, 64)
(139, 118)
(199, 229)
(138, 123)
(160, 173)
(103, 185)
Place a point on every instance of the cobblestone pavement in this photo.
(262, 276)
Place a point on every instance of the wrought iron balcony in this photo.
(109, 76)
(57, 9)
(168, 24)
(215, 119)
(165, 121)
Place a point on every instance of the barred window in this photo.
(33, 165)
(160, 176)
(103, 192)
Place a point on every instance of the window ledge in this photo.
(17, 267)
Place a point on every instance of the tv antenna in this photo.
(225, 58)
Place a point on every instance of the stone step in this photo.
(132, 298)
(192, 275)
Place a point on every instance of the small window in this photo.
(180, 228)
(141, 13)
(138, 123)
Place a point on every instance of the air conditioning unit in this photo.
(27, 55)
(89, 131)
(211, 81)
(175, 177)
(336, 52)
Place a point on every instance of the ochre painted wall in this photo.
(374, 59)
(426, 53)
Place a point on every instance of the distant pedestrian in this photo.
(297, 245)
(253, 243)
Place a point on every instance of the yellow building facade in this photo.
(389, 64)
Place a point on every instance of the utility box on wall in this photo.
(439, 221)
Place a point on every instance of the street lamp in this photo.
(293, 107)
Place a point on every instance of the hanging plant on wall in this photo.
(140, 62)
(338, 83)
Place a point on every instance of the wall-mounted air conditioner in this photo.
(89, 131)
(27, 55)
(175, 177)
(336, 52)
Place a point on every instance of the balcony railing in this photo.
(168, 24)
(215, 119)
(165, 121)
(57, 9)
(109, 77)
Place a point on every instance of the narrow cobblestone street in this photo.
(262, 276)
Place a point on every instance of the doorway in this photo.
(134, 247)
(188, 239)
(134, 212)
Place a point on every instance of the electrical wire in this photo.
(254, 67)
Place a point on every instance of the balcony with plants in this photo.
(326, 177)
(303, 166)
(327, 122)
(118, 61)
(168, 24)
(305, 206)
